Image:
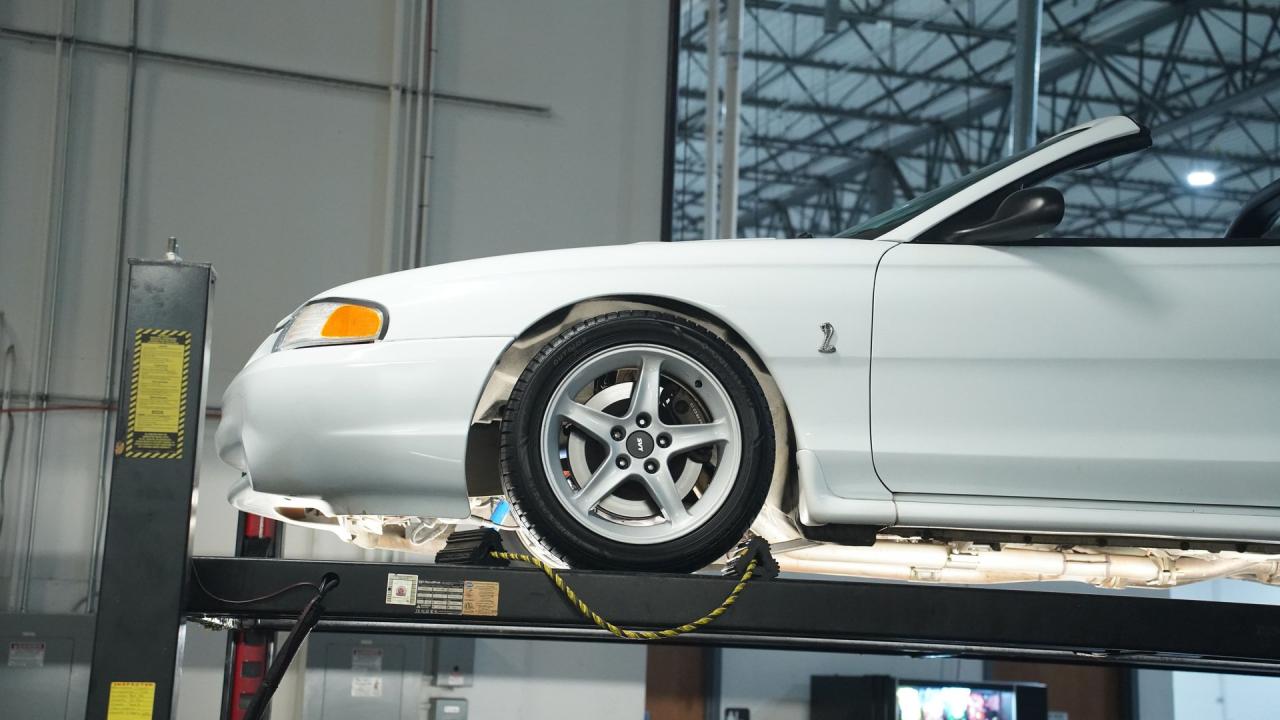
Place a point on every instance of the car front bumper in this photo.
(371, 429)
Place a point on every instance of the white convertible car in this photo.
(939, 394)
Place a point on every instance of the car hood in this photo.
(502, 295)
(566, 259)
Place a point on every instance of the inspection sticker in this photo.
(480, 598)
(131, 701)
(402, 589)
(157, 419)
(469, 597)
(26, 653)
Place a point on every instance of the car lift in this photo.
(151, 586)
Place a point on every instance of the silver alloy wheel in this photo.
(620, 459)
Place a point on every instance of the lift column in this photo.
(137, 648)
(249, 652)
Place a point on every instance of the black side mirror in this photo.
(1022, 216)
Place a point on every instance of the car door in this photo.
(1088, 370)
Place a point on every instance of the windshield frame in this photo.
(1078, 147)
(877, 225)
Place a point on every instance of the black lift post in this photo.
(137, 648)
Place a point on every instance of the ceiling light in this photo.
(1201, 178)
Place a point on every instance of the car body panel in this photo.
(1088, 517)
(774, 293)
(371, 429)
(1105, 373)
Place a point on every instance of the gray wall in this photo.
(289, 185)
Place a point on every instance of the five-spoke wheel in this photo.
(637, 440)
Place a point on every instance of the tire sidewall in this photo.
(530, 491)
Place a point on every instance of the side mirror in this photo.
(1023, 216)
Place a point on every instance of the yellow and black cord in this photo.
(625, 633)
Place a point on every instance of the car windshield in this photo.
(878, 225)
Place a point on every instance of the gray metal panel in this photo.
(454, 661)
(371, 677)
(48, 685)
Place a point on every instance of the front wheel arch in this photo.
(482, 471)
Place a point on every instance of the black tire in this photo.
(546, 518)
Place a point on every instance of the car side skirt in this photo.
(1110, 518)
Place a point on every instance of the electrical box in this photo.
(447, 709)
(371, 677)
(454, 661)
(44, 665)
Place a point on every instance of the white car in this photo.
(939, 394)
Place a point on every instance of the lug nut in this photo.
(664, 440)
(617, 433)
(623, 461)
(651, 466)
(642, 420)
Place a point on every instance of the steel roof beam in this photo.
(991, 101)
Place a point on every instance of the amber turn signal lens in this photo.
(352, 321)
(332, 322)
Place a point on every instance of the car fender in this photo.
(775, 294)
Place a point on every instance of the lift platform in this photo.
(151, 585)
(783, 613)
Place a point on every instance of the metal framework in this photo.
(794, 614)
(851, 104)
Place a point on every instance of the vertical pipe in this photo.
(712, 113)
(669, 122)
(424, 200)
(831, 17)
(395, 89)
(60, 132)
(732, 112)
(881, 181)
(1026, 74)
(105, 448)
(7, 361)
(419, 127)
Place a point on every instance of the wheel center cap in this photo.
(640, 444)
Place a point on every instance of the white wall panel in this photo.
(37, 15)
(104, 20)
(26, 138)
(277, 183)
(91, 218)
(591, 173)
(324, 37)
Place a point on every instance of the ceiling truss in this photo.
(850, 104)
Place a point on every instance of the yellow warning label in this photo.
(158, 394)
(131, 701)
(480, 598)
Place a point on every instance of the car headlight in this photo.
(334, 322)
